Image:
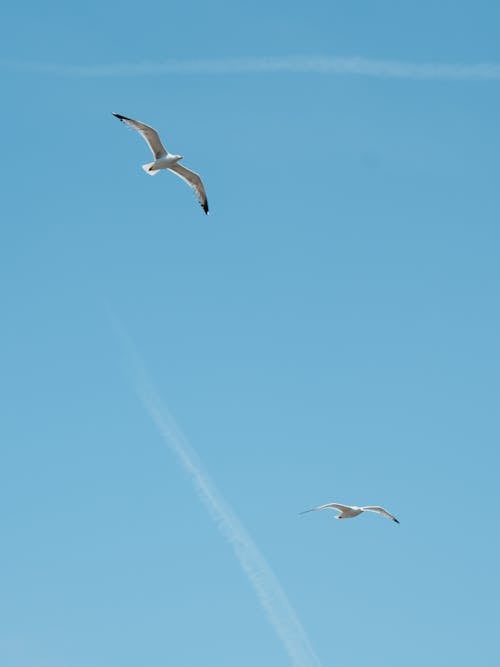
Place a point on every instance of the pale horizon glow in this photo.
(294, 64)
(268, 590)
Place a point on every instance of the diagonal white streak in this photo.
(330, 65)
(271, 596)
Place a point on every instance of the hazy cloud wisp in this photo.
(328, 65)
(271, 596)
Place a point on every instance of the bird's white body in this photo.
(162, 163)
(350, 511)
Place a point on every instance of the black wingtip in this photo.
(204, 206)
(119, 116)
(396, 521)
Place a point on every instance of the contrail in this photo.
(327, 65)
(271, 596)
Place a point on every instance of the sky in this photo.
(176, 387)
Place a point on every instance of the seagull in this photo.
(165, 160)
(350, 511)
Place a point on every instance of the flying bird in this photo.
(350, 511)
(166, 160)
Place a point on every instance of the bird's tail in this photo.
(148, 170)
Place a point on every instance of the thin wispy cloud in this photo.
(268, 590)
(327, 65)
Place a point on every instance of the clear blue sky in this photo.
(329, 332)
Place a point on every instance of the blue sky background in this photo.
(329, 333)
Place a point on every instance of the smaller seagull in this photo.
(350, 511)
(165, 160)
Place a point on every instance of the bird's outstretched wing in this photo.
(194, 181)
(379, 510)
(335, 506)
(148, 133)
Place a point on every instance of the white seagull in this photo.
(165, 160)
(350, 511)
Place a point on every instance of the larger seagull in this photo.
(166, 160)
(350, 511)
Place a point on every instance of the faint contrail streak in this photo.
(330, 65)
(271, 596)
